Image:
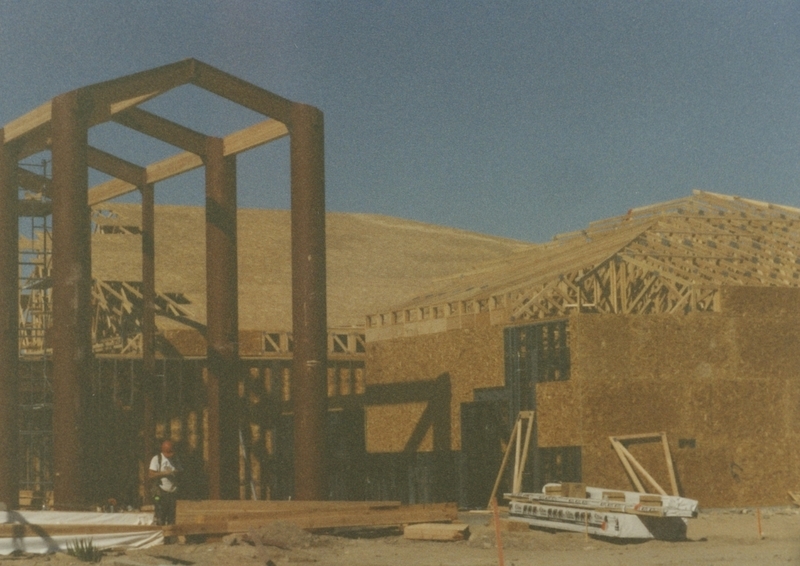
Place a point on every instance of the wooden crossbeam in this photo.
(248, 138)
(630, 463)
(162, 129)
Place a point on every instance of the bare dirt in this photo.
(728, 537)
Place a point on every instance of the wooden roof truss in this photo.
(667, 258)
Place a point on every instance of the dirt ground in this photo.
(727, 537)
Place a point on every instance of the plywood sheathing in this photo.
(729, 382)
(460, 360)
(372, 260)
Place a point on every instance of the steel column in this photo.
(71, 331)
(9, 326)
(309, 311)
(222, 320)
(148, 317)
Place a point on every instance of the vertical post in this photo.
(309, 311)
(222, 319)
(71, 331)
(148, 318)
(9, 329)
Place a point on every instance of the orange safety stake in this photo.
(496, 513)
(758, 522)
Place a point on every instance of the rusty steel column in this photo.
(9, 326)
(72, 276)
(222, 321)
(309, 311)
(148, 319)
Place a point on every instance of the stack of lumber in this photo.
(222, 517)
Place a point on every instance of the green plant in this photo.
(84, 550)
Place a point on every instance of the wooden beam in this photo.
(162, 129)
(26, 123)
(242, 92)
(115, 166)
(237, 142)
(253, 136)
(117, 95)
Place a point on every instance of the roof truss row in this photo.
(668, 258)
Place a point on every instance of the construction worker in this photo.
(164, 471)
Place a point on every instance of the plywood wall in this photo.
(397, 371)
(727, 384)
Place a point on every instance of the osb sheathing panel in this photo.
(403, 418)
(559, 413)
(760, 301)
(471, 358)
(730, 383)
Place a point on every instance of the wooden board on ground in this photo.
(223, 517)
(437, 531)
(20, 530)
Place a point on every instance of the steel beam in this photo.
(309, 312)
(72, 275)
(222, 320)
(9, 326)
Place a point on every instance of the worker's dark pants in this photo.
(165, 507)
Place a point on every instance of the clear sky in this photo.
(519, 119)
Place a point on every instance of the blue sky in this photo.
(518, 119)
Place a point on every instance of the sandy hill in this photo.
(373, 261)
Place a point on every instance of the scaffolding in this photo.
(35, 315)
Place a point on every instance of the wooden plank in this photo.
(248, 505)
(645, 436)
(18, 530)
(641, 470)
(437, 531)
(670, 467)
(631, 474)
(356, 517)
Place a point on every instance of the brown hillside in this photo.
(373, 261)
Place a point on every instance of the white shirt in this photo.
(167, 465)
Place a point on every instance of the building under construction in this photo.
(677, 321)
(404, 350)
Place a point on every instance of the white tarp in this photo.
(45, 543)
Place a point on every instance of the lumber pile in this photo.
(223, 517)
